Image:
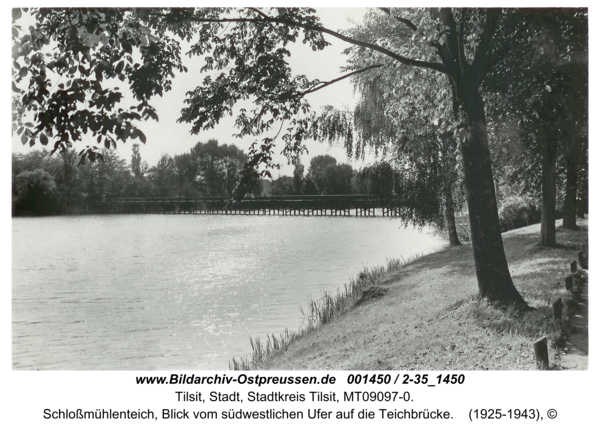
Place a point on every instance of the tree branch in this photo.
(454, 48)
(326, 84)
(265, 18)
(481, 63)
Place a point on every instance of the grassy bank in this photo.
(319, 312)
(426, 315)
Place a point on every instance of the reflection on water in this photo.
(179, 291)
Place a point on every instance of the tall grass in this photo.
(320, 311)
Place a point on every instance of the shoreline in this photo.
(425, 315)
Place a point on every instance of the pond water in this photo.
(142, 292)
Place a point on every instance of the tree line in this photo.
(45, 184)
(473, 104)
(49, 184)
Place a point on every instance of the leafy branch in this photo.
(282, 19)
(320, 85)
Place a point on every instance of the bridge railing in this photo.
(282, 202)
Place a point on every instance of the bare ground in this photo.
(427, 316)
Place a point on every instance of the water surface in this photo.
(179, 291)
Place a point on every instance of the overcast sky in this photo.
(168, 136)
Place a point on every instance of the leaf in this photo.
(548, 88)
(16, 13)
(43, 139)
(142, 136)
(24, 138)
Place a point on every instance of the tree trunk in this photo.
(570, 206)
(548, 230)
(582, 201)
(449, 212)
(493, 276)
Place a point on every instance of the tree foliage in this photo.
(208, 169)
(544, 92)
(217, 167)
(66, 68)
(34, 193)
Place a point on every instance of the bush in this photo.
(518, 211)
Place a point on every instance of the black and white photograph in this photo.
(241, 189)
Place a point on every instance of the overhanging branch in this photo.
(322, 85)
(266, 18)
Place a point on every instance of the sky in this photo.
(167, 136)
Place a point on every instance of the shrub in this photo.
(518, 211)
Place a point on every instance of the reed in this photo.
(320, 311)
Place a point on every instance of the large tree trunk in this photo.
(493, 276)
(548, 230)
(449, 212)
(582, 201)
(570, 206)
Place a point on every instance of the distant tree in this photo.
(298, 178)
(106, 177)
(62, 168)
(265, 187)
(37, 159)
(34, 193)
(218, 167)
(282, 186)
(317, 170)
(162, 177)
(139, 169)
(338, 179)
(69, 177)
(185, 172)
(308, 187)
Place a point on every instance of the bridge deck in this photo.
(332, 205)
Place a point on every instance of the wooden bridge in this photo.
(332, 205)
